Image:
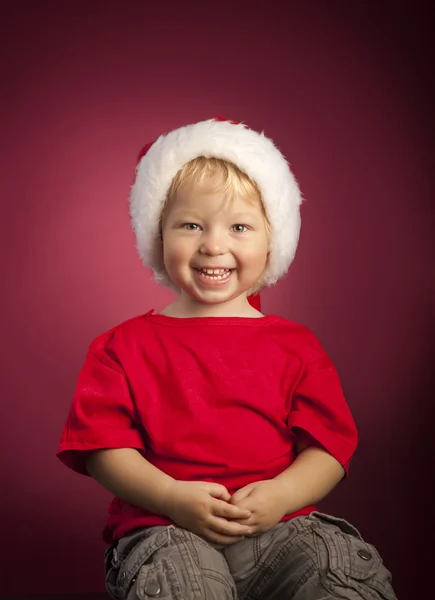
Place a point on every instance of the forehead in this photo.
(207, 198)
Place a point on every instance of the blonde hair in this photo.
(230, 179)
(216, 173)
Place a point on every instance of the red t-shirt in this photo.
(218, 399)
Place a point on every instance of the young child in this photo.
(217, 428)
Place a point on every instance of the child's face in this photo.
(204, 230)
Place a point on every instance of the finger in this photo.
(246, 505)
(223, 509)
(250, 521)
(228, 528)
(219, 491)
(240, 495)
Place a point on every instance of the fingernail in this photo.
(248, 514)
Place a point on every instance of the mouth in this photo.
(217, 275)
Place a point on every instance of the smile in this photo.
(218, 275)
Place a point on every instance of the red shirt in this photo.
(218, 399)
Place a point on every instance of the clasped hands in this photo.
(209, 510)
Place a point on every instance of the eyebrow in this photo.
(245, 216)
(186, 213)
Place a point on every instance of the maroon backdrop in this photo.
(346, 93)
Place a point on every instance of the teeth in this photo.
(215, 273)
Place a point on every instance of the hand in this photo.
(203, 509)
(266, 500)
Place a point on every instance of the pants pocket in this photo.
(157, 580)
(124, 561)
(339, 523)
(111, 568)
(348, 562)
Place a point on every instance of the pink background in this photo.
(346, 93)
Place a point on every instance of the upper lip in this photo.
(214, 268)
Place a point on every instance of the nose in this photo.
(213, 243)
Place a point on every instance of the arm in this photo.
(129, 476)
(198, 506)
(309, 478)
(312, 475)
(326, 438)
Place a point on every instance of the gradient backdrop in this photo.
(347, 95)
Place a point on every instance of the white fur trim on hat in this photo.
(252, 152)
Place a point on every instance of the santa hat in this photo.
(252, 152)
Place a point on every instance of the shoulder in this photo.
(301, 338)
(118, 335)
(297, 330)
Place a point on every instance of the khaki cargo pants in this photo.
(317, 557)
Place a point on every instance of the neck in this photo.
(185, 306)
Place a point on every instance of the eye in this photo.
(239, 228)
(190, 226)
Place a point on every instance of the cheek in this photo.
(175, 253)
(257, 256)
(171, 258)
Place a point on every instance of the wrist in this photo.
(284, 495)
(168, 497)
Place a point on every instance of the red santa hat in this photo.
(252, 152)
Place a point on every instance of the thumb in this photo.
(241, 494)
(219, 491)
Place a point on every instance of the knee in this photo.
(187, 567)
(347, 562)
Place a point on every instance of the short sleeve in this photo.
(320, 409)
(102, 413)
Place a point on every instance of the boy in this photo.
(218, 428)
